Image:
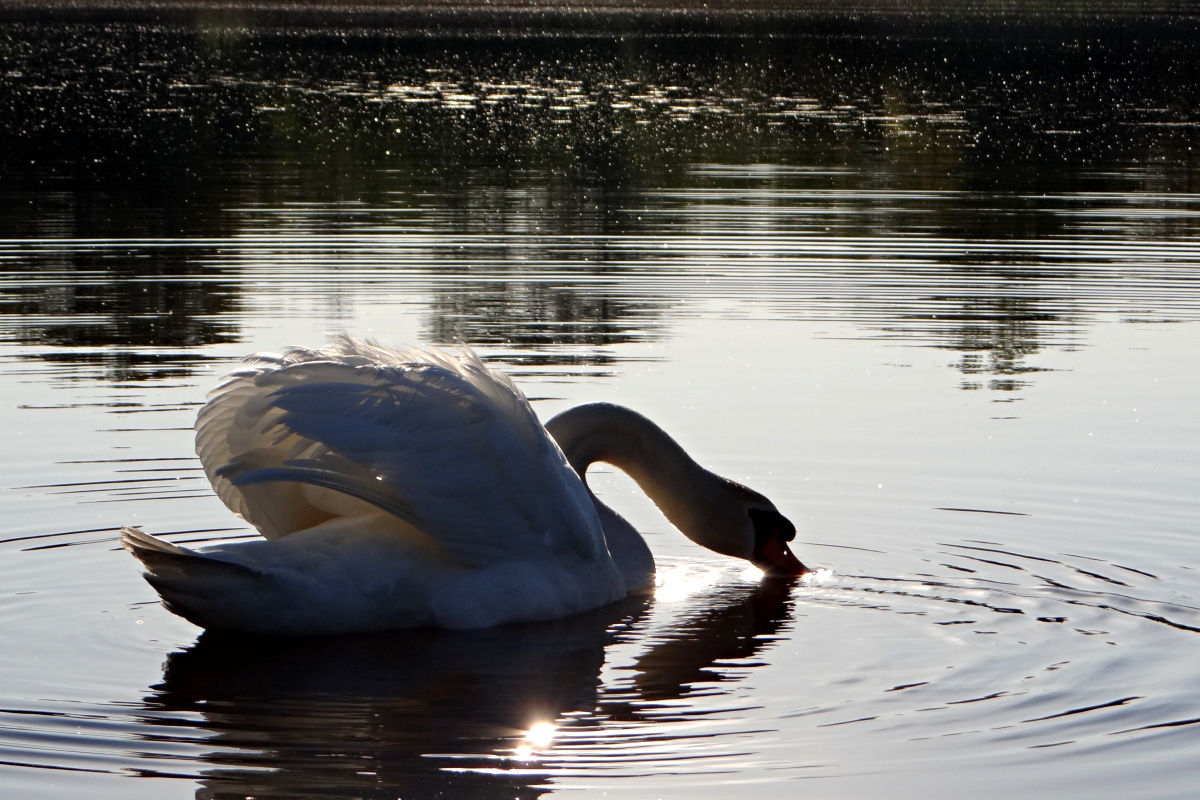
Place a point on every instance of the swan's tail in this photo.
(147, 547)
(191, 584)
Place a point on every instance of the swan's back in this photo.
(449, 448)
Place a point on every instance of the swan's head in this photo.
(772, 532)
(749, 526)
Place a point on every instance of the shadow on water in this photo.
(437, 713)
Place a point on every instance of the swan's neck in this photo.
(685, 492)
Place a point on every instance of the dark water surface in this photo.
(930, 283)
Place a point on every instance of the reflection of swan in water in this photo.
(689, 650)
(359, 716)
(404, 488)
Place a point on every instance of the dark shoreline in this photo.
(606, 18)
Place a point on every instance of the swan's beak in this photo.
(776, 559)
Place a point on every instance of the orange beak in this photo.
(775, 559)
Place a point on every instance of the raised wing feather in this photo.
(444, 443)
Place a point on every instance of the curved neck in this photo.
(635, 445)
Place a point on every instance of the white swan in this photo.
(410, 488)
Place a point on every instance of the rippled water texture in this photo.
(931, 285)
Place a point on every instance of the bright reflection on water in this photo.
(930, 287)
(683, 581)
(537, 738)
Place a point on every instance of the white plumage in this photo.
(405, 488)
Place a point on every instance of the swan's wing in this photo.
(443, 443)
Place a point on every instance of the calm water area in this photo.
(930, 283)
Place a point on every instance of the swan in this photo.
(405, 488)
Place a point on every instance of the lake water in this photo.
(931, 285)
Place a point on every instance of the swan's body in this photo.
(410, 488)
